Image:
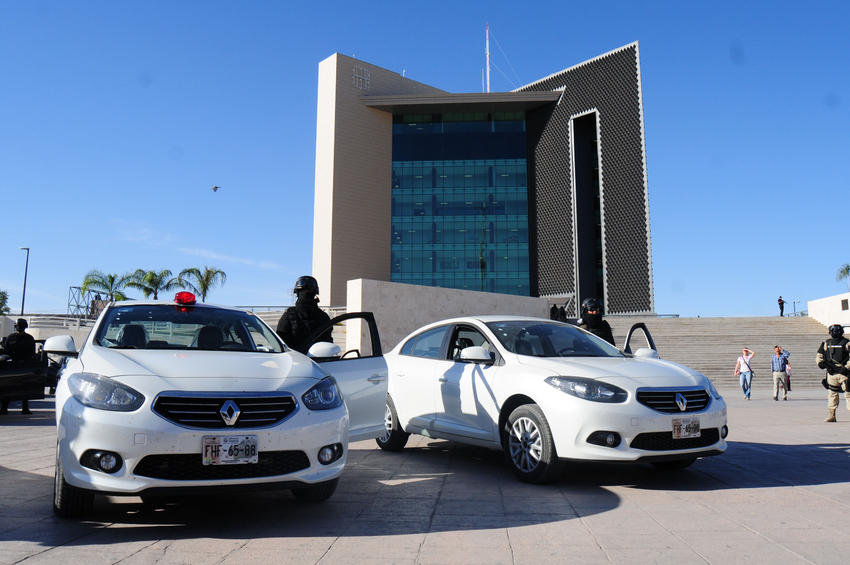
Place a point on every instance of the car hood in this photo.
(232, 370)
(623, 371)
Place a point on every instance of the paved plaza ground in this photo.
(781, 494)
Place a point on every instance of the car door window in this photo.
(466, 336)
(427, 345)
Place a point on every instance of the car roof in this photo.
(122, 303)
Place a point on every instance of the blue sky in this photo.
(116, 119)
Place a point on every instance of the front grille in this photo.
(663, 441)
(203, 411)
(665, 400)
(189, 467)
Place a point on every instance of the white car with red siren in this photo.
(179, 397)
(546, 392)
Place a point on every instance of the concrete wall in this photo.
(352, 208)
(828, 310)
(401, 308)
(79, 334)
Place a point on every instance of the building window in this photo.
(460, 202)
(844, 305)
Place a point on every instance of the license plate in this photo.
(229, 450)
(686, 427)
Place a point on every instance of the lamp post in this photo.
(26, 268)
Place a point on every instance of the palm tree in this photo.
(110, 284)
(844, 273)
(202, 282)
(151, 283)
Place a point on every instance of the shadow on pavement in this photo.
(42, 414)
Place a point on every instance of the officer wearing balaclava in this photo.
(591, 320)
(834, 356)
(299, 322)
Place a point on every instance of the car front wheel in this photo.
(69, 501)
(529, 447)
(393, 439)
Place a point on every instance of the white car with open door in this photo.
(175, 398)
(546, 392)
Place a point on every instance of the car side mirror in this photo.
(647, 353)
(324, 350)
(60, 345)
(476, 354)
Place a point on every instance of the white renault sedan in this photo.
(546, 392)
(176, 398)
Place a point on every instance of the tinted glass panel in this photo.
(427, 344)
(550, 339)
(460, 202)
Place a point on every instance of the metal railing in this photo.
(57, 321)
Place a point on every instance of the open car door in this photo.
(361, 375)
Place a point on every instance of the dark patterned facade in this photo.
(608, 86)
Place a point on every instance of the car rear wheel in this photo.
(315, 493)
(529, 447)
(69, 501)
(394, 439)
(673, 465)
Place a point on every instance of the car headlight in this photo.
(323, 396)
(589, 389)
(711, 390)
(96, 391)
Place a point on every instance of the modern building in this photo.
(537, 192)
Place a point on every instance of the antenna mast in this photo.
(487, 53)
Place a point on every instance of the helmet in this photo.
(21, 325)
(836, 331)
(306, 283)
(591, 305)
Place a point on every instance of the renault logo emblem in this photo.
(681, 401)
(230, 412)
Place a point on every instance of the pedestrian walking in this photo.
(744, 371)
(778, 364)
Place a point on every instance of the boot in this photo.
(831, 415)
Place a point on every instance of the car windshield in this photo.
(173, 326)
(550, 339)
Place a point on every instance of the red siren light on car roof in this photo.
(183, 297)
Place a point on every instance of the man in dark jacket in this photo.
(591, 320)
(300, 321)
(20, 346)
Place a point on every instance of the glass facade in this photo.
(460, 201)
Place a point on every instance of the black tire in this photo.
(394, 439)
(69, 501)
(315, 493)
(673, 465)
(529, 447)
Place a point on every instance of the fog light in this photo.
(106, 461)
(604, 438)
(724, 431)
(330, 453)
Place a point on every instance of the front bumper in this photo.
(572, 426)
(288, 452)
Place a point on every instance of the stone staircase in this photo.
(711, 345)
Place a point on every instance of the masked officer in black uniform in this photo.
(834, 356)
(20, 346)
(300, 321)
(591, 320)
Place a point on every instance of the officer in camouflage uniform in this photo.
(834, 356)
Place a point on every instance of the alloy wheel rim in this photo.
(525, 444)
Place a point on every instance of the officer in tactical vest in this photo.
(300, 321)
(591, 320)
(834, 356)
(20, 346)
